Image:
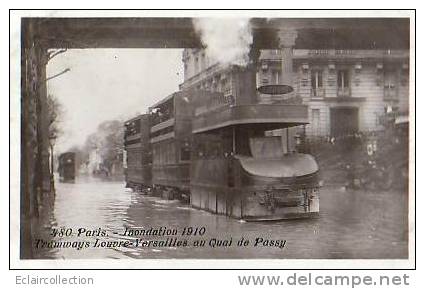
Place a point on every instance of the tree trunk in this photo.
(52, 179)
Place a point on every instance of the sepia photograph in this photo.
(213, 135)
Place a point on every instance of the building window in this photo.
(223, 85)
(316, 79)
(343, 83)
(316, 83)
(275, 75)
(404, 81)
(203, 62)
(315, 121)
(196, 65)
(390, 85)
(343, 79)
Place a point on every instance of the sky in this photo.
(108, 84)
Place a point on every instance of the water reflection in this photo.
(359, 225)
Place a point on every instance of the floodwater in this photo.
(352, 224)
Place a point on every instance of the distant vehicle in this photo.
(66, 167)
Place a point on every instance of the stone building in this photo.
(202, 74)
(346, 90)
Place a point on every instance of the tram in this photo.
(66, 167)
(219, 153)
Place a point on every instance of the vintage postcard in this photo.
(212, 139)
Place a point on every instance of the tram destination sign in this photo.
(275, 89)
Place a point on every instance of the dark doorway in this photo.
(344, 121)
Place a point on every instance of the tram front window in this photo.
(262, 143)
(269, 147)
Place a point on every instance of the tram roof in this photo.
(269, 116)
(140, 116)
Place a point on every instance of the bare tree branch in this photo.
(55, 53)
(58, 74)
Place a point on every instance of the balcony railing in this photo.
(350, 53)
(317, 92)
(343, 92)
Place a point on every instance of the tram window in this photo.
(185, 154)
(159, 151)
(242, 147)
(266, 147)
(164, 153)
(169, 153)
(208, 146)
(214, 149)
(156, 154)
(198, 150)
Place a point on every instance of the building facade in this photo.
(346, 91)
(201, 73)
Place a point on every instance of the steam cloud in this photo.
(227, 41)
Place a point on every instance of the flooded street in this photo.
(352, 224)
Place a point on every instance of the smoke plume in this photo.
(227, 41)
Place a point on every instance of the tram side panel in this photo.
(138, 173)
(168, 171)
(211, 190)
(171, 144)
(139, 156)
(213, 182)
(209, 185)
